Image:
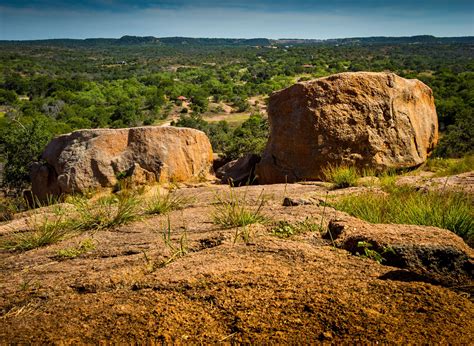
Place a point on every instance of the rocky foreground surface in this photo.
(227, 288)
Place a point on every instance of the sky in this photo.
(44, 19)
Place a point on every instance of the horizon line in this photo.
(235, 38)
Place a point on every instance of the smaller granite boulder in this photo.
(99, 158)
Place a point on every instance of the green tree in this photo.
(23, 143)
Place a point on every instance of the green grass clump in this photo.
(164, 203)
(341, 176)
(107, 212)
(232, 210)
(449, 210)
(444, 167)
(44, 233)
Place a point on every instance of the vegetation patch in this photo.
(341, 176)
(177, 249)
(443, 167)
(233, 210)
(164, 203)
(44, 233)
(107, 212)
(449, 210)
(72, 252)
(369, 252)
(285, 229)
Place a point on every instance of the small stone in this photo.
(292, 202)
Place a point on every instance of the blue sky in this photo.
(40, 19)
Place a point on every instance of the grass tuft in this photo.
(164, 203)
(107, 212)
(44, 233)
(178, 249)
(232, 210)
(341, 176)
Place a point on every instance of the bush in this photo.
(22, 144)
(459, 137)
(249, 138)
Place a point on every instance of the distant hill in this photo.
(420, 39)
(146, 40)
(189, 41)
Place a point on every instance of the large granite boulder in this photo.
(93, 159)
(364, 119)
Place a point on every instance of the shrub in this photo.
(341, 176)
(459, 137)
(9, 206)
(249, 138)
(22, 144)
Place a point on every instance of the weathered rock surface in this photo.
(263, 290)
(369, 120)
(240, 171)
(92, 159)
(434, 253)
(463, 182)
